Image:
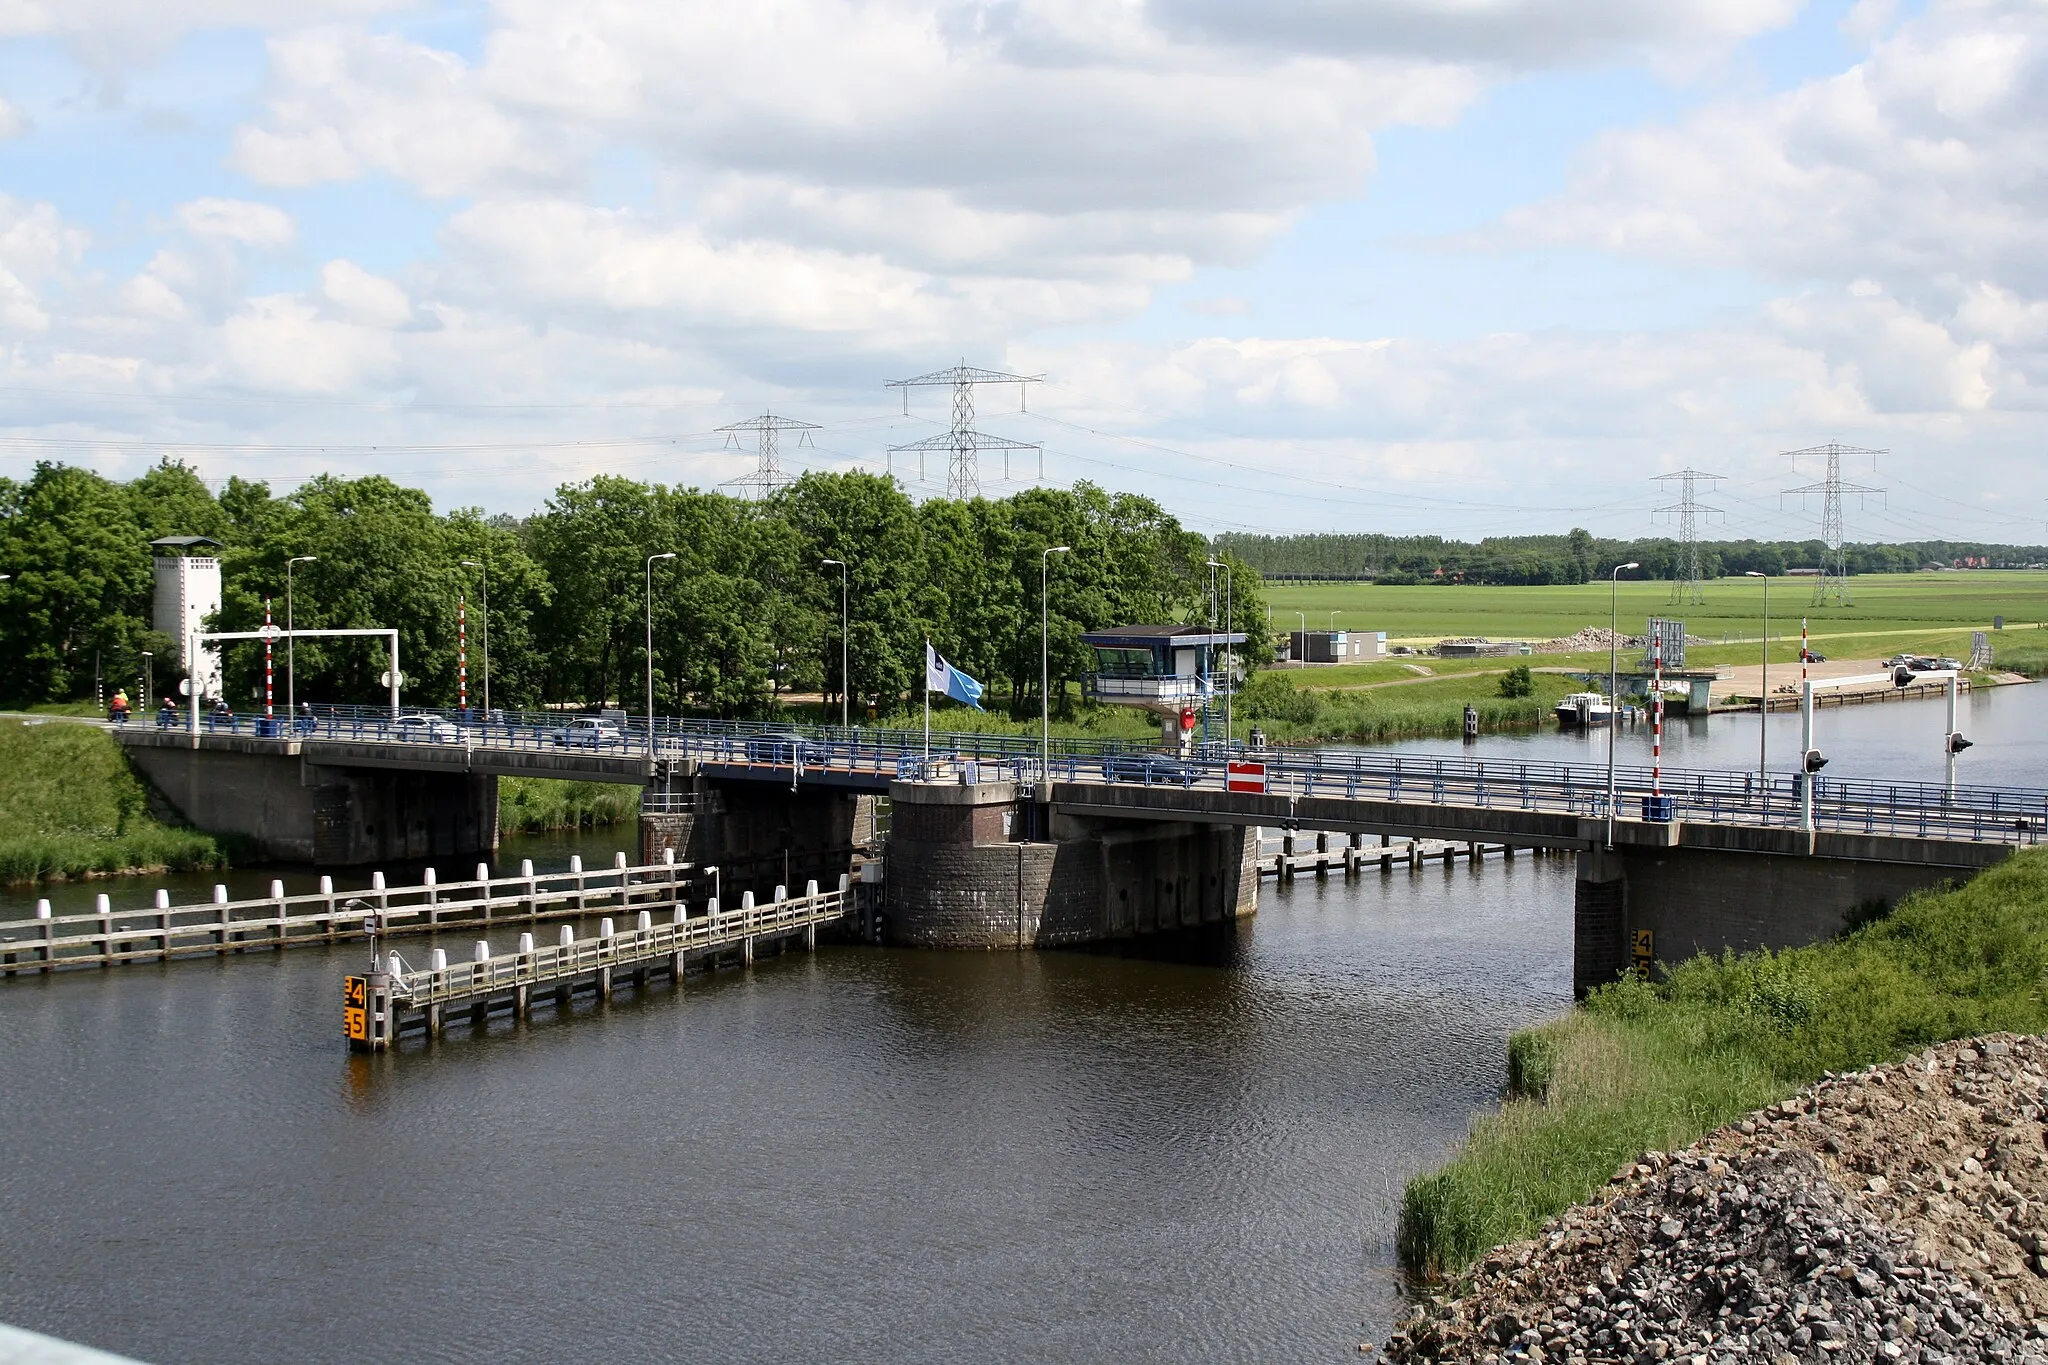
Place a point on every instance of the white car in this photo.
(589, 732)
(418, 729)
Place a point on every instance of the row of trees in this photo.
(1580, 557)
(745, 612)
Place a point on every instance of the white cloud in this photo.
(362, 297)
(114, 34)
(238, 220)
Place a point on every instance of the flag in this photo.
(942, 677)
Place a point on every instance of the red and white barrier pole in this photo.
(1657, 714)
(269, 672)
(462, 652)
(1802, 653)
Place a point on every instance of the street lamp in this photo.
(148, 674)
(485, 622)
(650, 647)
(1613, 688)
(1304, 638)
(1763, 704)
(1230, 655)
(291, 643)
(843, 690)
(1045, 657)
(1333, 619)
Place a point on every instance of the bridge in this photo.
(988, 846)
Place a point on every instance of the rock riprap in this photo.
(1898, 1214)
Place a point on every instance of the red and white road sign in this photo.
(1245, 777)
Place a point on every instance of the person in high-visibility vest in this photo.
(117, 710)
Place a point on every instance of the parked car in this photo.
(1920, 663)
(1945, 662)
(1152, 769)
(784, 746)
(420, 729)
(589, 732)
(1813, 656)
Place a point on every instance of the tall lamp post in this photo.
(149, 675)
(1333, 619)
(1763, 704)
(1045, 658)
(485, 622)
(843, 688)
(1613, 686)
(650, 647)
(1230, 655)
(291, 644)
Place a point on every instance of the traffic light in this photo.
(1814, 760)
(1956, 743)
(1902, 676)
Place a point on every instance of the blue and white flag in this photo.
(943, 678)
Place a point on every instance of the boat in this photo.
(1584, 708)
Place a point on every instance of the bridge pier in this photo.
(961, 874)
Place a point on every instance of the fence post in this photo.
(103, 906)
(163, 905)
(222, 935)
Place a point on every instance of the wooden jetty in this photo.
(152, 933)
(380, 1004)
(1351, 859)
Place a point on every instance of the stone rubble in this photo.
(1898, 1214)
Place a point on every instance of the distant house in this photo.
(1336, 646)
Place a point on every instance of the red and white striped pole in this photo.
(269, 673)
(462, 652)
(1657, 713)
(1802, 654)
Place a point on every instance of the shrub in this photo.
(1518, 682)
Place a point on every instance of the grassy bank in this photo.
(533, 804)
(70, 806)
(2027, 654)
(1643, 1066)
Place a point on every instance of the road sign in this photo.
(384, 679)
(1245, 776)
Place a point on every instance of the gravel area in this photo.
(1895, 1214)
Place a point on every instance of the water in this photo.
(855, 1155)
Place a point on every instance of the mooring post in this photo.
(576, 871)
(277, 897)
(606, 947)
(565, 940)
(532, 893)
(433, 898)
(437, 962)
(220, 901)
(103, 906)
(481, 954)
(747, 924)
(163, 919)
(522, 992)
(377, 889)
(483, 876)
(681, 923)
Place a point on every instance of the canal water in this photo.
(860, 1154)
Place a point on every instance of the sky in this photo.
(1462, 267)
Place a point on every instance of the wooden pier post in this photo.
(604, 972)
(222, 935)
(103, 906)
(522, 993)
(563, 988)
(747, 916)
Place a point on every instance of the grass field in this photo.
(1644, 1066)
(531, 804)
(1882, 605)
(70, 807)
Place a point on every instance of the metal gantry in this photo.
(962, 443)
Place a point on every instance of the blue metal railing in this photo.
(1849, 805)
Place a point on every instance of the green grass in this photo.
(1643, 1066)
(2022, 653)
(70, 806)
(531, 804)
(1882, 603)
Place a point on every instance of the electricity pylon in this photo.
(962, 442)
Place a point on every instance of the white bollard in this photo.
(42, 909)
(163, 900)
(668, 855)
(566, 937)
(327, 886)
(526, 943)
(376, 881)
(575, 862)
(646, 920)
(619, 860)
(681, 915)
(604, 928)
(277, 891)
(526, 867)
(482, 952)
(438, 960)
(810, 889)
(220, 894)
(781, 894)
(746, 900)
(430, 879)
(711, 907)
(102, 904)
(483, 872)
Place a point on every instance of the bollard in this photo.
(438, 960)
(433, 897)
(526, 867)
(103, 906)
(220, 894)
(646, 921)
(42, 909)
(668, 855)
(483, 872)
(604, 928)
(482, 951)
(327, 886)
(525, 944)
(567, 937)
(781, 894)
(163, 899)
(522, 993)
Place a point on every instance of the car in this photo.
(1813, 657)
(589, 732)
(423, 729)
(1920, 663)
(1944, 662)
(1150, 769)
(784, 747)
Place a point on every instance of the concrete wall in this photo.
(1714, 889)
(961, 875)
(759, 835)
(299, 811)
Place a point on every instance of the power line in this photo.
(962, 442)
(1834, 564)
(1685, 584)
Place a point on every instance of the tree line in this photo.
(1580, 557)
(745, 613)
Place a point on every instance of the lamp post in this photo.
(485, 622)
(291, 644)
(1045, 658)
(1333, 619)
(1763, 703)
(1613, 687)
(650, 647)
(843, 678)
(1304, 637)
(149, 675)
(1230, 654)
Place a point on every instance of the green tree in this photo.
(80, 588)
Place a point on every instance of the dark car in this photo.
(1813, 657)
(1150, 769)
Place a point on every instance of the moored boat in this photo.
(1584, 708)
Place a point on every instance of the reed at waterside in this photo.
(70, 806)
(1644, 1066)
(533, 804)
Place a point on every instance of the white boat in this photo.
(1584, 708)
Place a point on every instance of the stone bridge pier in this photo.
(760, 835)
(979, 866)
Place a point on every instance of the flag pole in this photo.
(927, 707)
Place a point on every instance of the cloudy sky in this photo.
(1463, 266)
